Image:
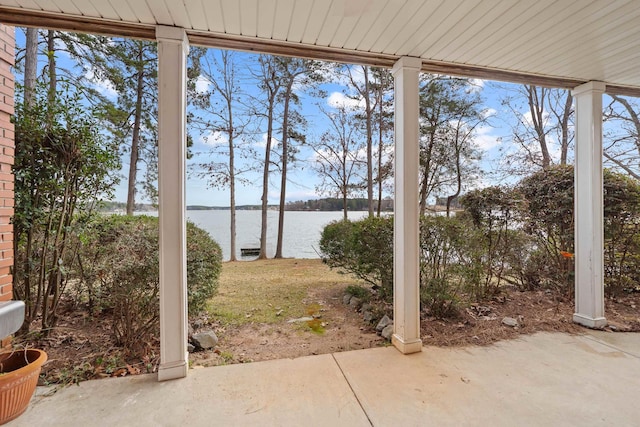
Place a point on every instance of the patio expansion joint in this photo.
(611, 346)
(352, 390)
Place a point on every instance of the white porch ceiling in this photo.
(554, 42)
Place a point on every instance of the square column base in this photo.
(174, 370)
(589, 322)
(408, 347)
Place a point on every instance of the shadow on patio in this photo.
(544, 379)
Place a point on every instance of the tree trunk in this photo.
(344, 206)
(285, 157)
(53, 79)
(367, 103)
(380, 143)
(565, 129)
(232, 186)
(30, 65)
(458, 182)
(536, 107)
(265, 182)
(135, 138)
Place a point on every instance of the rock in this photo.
(191, 348)
(383, 323)
(510, 321)
(205, 340)
(346, 298)
(190, 330)
(366, 307)
(368, 316)
(355, 303)
(483, 310)
(387, 332)
(300, 319)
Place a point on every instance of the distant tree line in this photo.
(334, 204)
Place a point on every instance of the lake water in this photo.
(301, 230)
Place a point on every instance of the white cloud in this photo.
(213, 138)
(340, 100)
(484, 138)
(105, 87)
(476, 85)
(489, 112)
(527, 118)
(202, 84)
(262, 143)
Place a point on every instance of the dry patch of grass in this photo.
(270, 291)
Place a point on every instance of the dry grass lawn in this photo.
(269, 291)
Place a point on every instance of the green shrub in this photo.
(360, 292)
(495, 243)
(523, 236)
(441, 243)
(204, 263)
(120, 273)
(621, 232)
(363, 248)
(547, 216)
(62, 162)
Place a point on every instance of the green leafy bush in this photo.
(120, 273)
(363, 248)
(523, 236)
(444, 272)
(500, 248)
(62, 163)
(204, 263)
(547, 216)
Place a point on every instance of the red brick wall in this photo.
(7, 147)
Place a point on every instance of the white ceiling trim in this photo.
(498, 40)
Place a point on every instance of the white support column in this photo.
(173, 47)
(589, 226)
(406, 278)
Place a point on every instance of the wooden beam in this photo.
(64, 22)
(298, 50)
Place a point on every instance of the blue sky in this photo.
(303, 180)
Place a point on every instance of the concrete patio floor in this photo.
(542, 380)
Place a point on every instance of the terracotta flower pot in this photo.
(19, 371)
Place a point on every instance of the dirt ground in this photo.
(342, 329)
(81, 347)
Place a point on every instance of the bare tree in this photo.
(542, 131)
(461, 132)
(220, 123)
(270, 83)
(364, 92)
(292, 71)
(383, 89)
(622, 146)
(338, 156)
